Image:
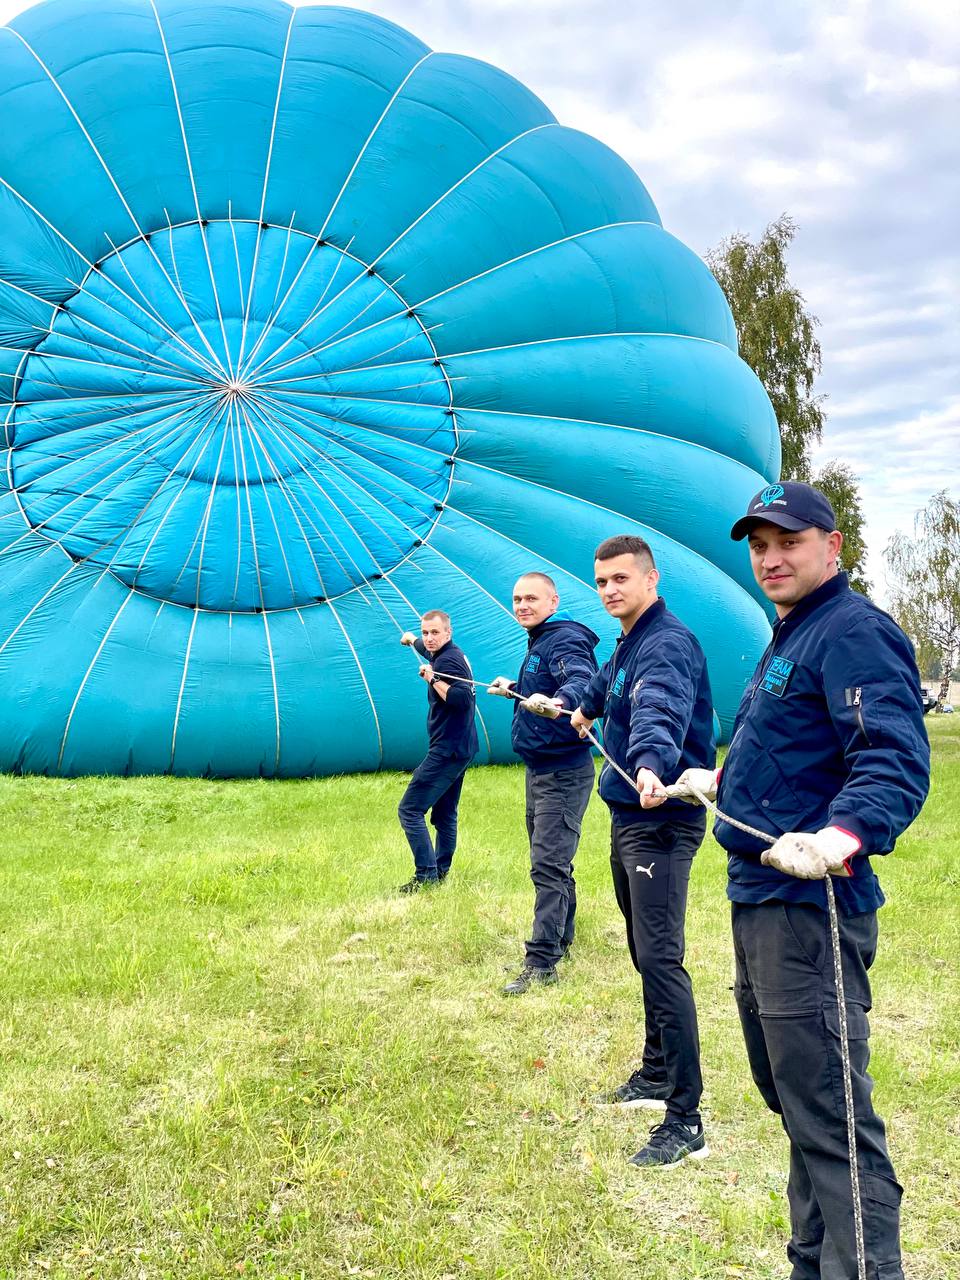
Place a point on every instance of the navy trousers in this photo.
(787, 1000)
(435, 789)
(556, 803)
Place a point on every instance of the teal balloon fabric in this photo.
(306, 329)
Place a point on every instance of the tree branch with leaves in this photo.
(777, 339)
(925, 584)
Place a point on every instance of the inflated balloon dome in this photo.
(307, 329)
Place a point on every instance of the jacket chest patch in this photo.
(777, 676)
(533, 663)
(620, 679)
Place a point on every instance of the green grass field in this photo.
(227, 1048)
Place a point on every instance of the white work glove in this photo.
(541, 705)
(705, 780)
(502, 686)
(408, 638)
(652, 791)
(812, 856)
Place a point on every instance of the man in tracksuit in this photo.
(654, 696)
(438, 780)
(829, 753)
(558, 665)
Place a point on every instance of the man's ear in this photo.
(834, 545)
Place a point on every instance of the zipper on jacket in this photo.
(854, 698)
(858, 703)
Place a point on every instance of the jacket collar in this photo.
(829, 590)
(642, 624)
(534, 634)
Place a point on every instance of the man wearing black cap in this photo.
(830, 754)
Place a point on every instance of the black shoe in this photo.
(529, 977)
(415, 885)
(671, 1142)
(638, 1091)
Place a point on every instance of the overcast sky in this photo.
(845, 115)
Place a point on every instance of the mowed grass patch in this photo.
(227, 1047)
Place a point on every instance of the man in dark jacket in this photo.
(654, 696)
(438, 780)
(829, 753)
(558, 665)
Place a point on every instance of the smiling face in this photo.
(627, 585)
(534, 600)
(435, 633)
(789, 566)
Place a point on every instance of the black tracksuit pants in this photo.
(650, 862)
(787, 998)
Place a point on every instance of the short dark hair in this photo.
(541, 577)
(438, 613)
(625, 544)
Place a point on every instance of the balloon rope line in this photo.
(383, 252)
(563, 711)
(276, 424)
(249, 370)
(408, 306)
(844, 1035)
(263, 195)
(273, 425)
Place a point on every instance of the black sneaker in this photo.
(638, 1091)
(529, 977)
(671, 1142)
(415, 885)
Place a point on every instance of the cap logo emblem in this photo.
(771, 494)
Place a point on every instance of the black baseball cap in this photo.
(789, 504)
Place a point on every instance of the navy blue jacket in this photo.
(654, 696)
(559, 663)
(829, 732)
(450, 723)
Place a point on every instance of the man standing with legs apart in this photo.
(438, 780)
(654, 696)
(559, 776)
(829, 753)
